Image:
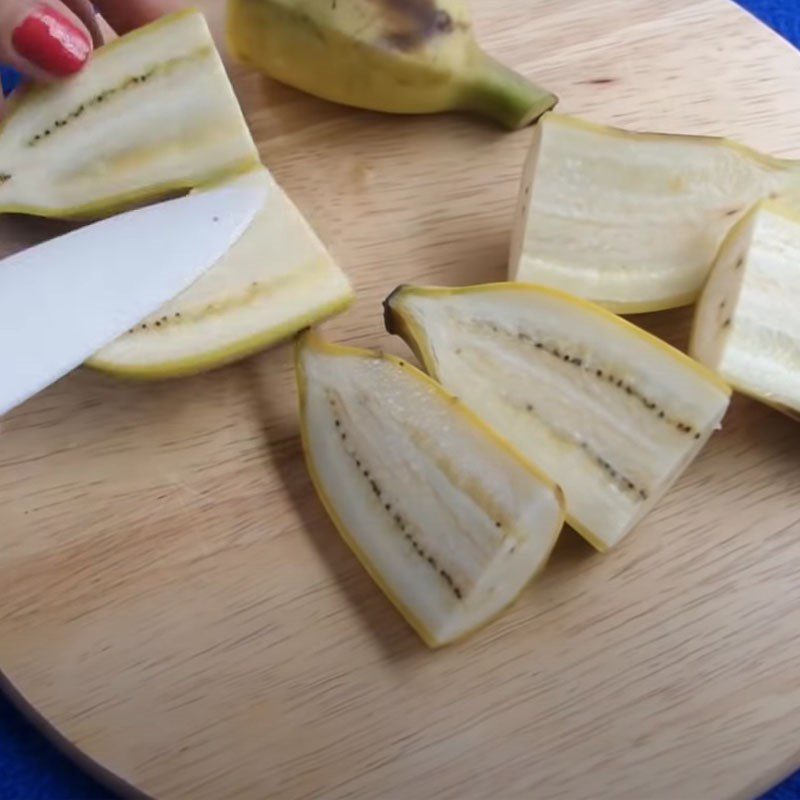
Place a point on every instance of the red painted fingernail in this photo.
(52, 42)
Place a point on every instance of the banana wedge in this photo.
(451, 522)
(613, 414)
(277, 279)
(633, 220)
(747, 326)
(152, 114)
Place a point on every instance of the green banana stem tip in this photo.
(500, 93)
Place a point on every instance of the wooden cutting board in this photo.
(177, 606)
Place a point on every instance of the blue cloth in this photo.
(32, 769)
(9, 78)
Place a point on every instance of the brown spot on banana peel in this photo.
(412, 23)
(389, 319)
(397, 325)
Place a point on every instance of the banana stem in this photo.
(496, 91)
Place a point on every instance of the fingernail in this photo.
(52, 42)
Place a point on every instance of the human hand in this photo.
(49, 39)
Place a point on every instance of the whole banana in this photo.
(400, 56)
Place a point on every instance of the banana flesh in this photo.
(747, 326)
(633, 220)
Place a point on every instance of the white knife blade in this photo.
(62, 301)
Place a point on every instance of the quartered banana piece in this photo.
(277, 279)
(633, 220)
(152, 113)
(449, 520)
(613, 414)
(747, 326)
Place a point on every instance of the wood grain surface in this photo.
(177, 605)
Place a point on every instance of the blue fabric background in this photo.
(9, 79)
(32, 769)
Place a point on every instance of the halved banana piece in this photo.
(449, 520)
(747, 326)
(277, 279)
(613, 414)
(632, 220)
(153, 113)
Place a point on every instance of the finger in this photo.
(125, 15)
(44, 40)
(85, 12)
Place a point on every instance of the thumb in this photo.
(43, 39)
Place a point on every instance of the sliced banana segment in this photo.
(277, 279)
(449, 520)
(153, 113)
(747, 326)
(613, 414)
(632, 220)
